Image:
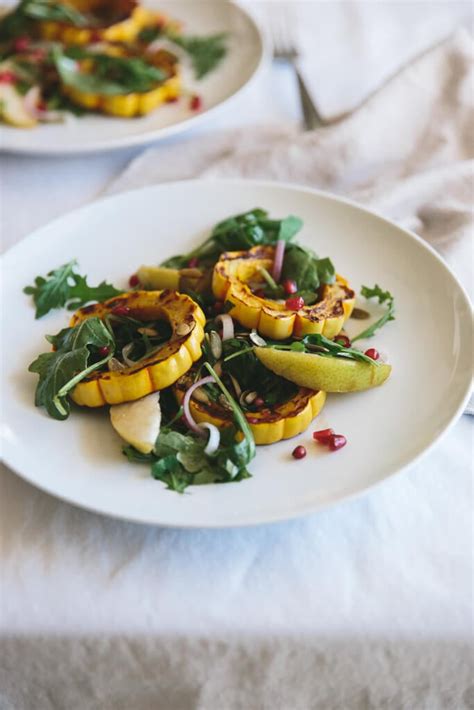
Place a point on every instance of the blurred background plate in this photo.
(388, 428)
(94, 132)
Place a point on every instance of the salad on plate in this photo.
(122, 59)
(212, 353)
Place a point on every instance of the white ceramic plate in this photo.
(387, 428)
(93, 133)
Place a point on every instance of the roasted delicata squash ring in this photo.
(268, 425)
(161, 369)
(235, 269)
(127, 105)
(122, 22)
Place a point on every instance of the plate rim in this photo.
(165, 132)
(277, 517)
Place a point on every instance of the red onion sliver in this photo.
(188, 417)
(227, 326)
(214, 438)
(278, 261)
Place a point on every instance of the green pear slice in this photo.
(153, 278)
(12, 108)
(329, 374)
(138, 423)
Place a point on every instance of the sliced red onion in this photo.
(227, 326)
(125, 352)
(278, 260)
(31, 101)
(188, 417)
(216, 344)
(237, 387)
(214, 438)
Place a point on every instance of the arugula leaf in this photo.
(63, 286)
(75, 357)
(382, 297)
(135, 456)
(333, 348)
(205, 52)
(241, 231)
(111, 76)
(18, 22)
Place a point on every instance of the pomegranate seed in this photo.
(259, 402)
(104, 351)
(133, 280)
(323, 435)
(294, 304)
(96, 36)
(372, 353)
(218, 307)
(299, 452)
(192, 263)
(21, 44)
(260, 293)
(195, 103)
(7, 77)
(289, 286)
(337, 441)
(343, 340)
(121, 310)
(172, 99)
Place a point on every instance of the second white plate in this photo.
(94, 132)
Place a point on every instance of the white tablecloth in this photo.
(368, 605)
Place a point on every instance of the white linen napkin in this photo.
(407, 153)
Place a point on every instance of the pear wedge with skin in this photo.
(329, 374)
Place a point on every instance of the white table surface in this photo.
(369, 556)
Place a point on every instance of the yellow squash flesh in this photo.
(268, 425)
(135, 19)
(127, 105)
(235, 270)
(161, 369)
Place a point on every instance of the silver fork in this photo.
(285, 48)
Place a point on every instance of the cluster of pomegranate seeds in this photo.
(121, 310)
(7, 77)
(372, 353)
(299, 452)
(259, 402)
(289, 286)
(193, 263)
(21, 44)
(343, 340)
(327, 437)
(195, 103)
(295, 303)
(133, 280)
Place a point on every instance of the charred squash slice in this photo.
(235, 270)
(157, 371)
(110, 22)
(268, 425)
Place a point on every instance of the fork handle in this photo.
(311, 117)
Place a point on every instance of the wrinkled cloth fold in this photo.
(407, 153)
